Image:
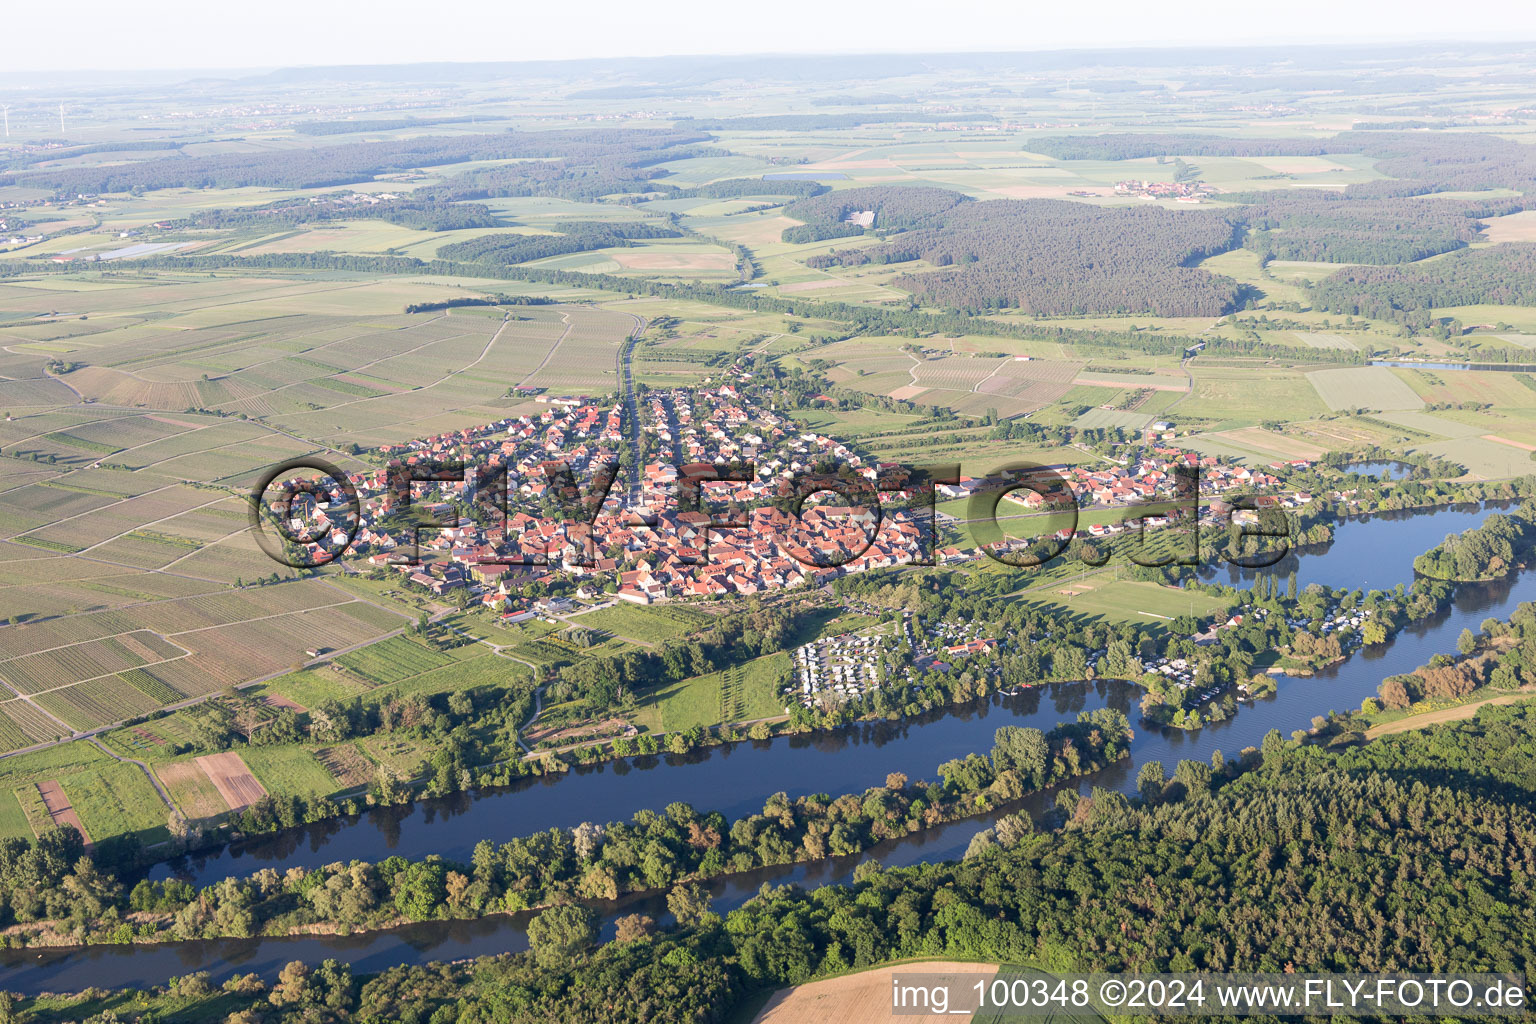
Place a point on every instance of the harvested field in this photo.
(1513, 444)
(191, 789)
(1269, 441)
(812, 286)
(347, 765)
(1516, 227)
(1150, 382)
(863, 998)
(575, 733)
(232, 779)
(674, 261)
(59, 807)
(1364, 387)
(1318, 339)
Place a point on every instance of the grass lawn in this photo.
(42, 765)
(118, 799)
(1104, 597)
(193, 791)
(387, 592)
(651, 625)
(738, 694)
(487, 670)
(13, 820)
(482, 627)
(401, 755)
(311, 686)
(289, 770)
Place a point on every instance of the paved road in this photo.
(631, 412)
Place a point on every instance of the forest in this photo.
(328, 166)
(575, 236)
(821, 122)
(1326, 227)
(418, 214)
(1500, 275)
(895, 206)
(1497, 548)
(1054, 258)
(858, 318)
(1500, 654)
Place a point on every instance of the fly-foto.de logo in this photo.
(307, 513)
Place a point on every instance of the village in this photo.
(643, 546)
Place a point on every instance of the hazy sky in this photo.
(111, 34)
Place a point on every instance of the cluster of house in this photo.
(834, 669)
(1183, 191)
(648, 544)
(647, 548)
(354, 199)
(1148, 479)
(837, 668)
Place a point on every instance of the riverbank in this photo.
(649, 854)
(1457, 713)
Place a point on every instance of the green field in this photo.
(289, 770)
(1115, 600)
(13, 820)
(1368, 387)
(646, 624)
(740, 694)
(118, 799)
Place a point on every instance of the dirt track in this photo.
(1455, 714)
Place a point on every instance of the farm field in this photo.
(1368, 387)
(647, 624)
(863, 997)
(735, 695)
(1110, 599)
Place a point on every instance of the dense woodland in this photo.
(418, 214)
(575, 236)
(1054, 257)
(1501, 275)
(1497, 548)
(325, 166)
(1327, 227)
(895, 206)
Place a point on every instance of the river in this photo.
(1368, 552)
